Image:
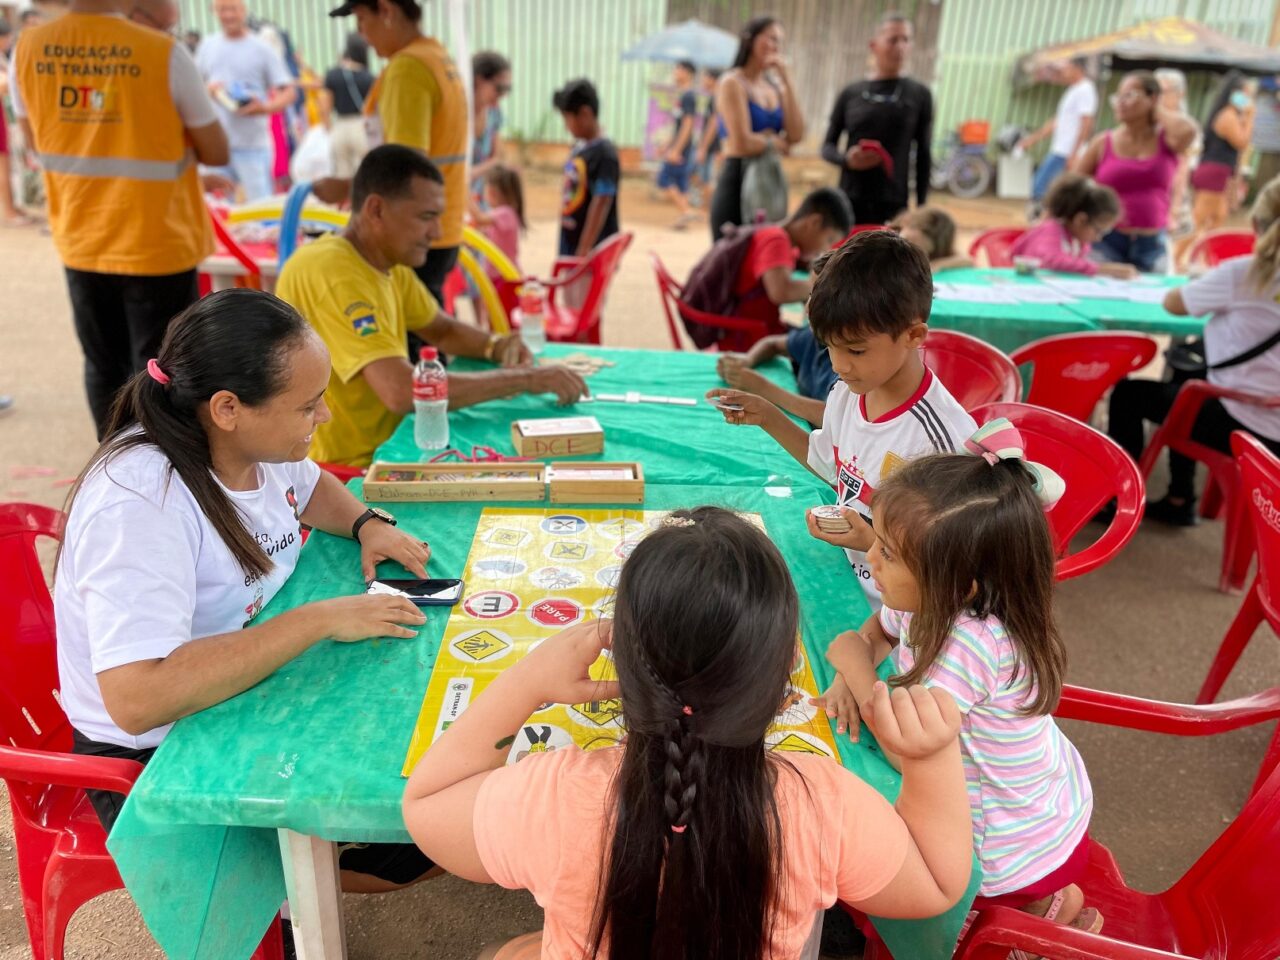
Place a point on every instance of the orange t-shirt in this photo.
(539, 826)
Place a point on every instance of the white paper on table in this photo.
(1090, 288)
(971, 293)
(1147, 294)
(1039, 293)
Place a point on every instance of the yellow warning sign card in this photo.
(530, 574)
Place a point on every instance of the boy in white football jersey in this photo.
(870, 309)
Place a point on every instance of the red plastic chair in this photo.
(1258, 495)
(741, 333)
(1218, 245)
(565, 322)
(1071, 371)
(1224, 475)
(973, 370)
(996, 244)
(1222, 907)
(1096, 470)
(61, 847)
(1142, 926)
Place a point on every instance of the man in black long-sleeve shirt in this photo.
(892, 111)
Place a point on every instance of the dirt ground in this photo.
(1147, 624)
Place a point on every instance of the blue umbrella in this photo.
(692, 40)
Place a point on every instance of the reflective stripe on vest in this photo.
(447, 160)
(154, 170)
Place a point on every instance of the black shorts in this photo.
(397, 863)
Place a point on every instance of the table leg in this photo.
(315, 896)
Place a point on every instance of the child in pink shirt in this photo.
(502, 220)
(1078, 213)
(964, 562)
(689, 838)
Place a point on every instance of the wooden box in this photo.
(455, 481)
(557, 437)
(596, 482)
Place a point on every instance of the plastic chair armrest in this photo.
(1157, 716)
(1001, 929)
(68, 769)
(573, 266)
(1117, 534)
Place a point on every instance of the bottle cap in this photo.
(428, 353)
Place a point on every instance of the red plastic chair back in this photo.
(233, 247)
(1071, 371)
(1218, 245)
(1224, 905)
(342, 471)
(598, 269)
(1260, 493)
(742, 333)
(973, 370)
(30, 715)
(1095, 470)
(997, 244)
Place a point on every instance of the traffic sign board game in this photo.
(530, 574)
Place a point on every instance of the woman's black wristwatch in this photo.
(373, 513)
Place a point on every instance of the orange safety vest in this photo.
(448, 147)
(120, 174)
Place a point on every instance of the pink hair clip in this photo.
(156, 374)
(687, 711)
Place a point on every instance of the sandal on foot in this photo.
(1088, 920)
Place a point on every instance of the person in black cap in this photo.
(418, 101)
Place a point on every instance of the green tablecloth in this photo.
(317, 747)
(1009, 326)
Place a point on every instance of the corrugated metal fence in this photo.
(826, 41)
(980, 40)
(547, 41)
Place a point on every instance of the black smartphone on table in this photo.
(423, 593)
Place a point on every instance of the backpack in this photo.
(710, 287)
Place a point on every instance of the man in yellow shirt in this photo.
(419, 100)
(359, 292)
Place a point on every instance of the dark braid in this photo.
(684, 768)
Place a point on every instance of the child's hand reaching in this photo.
(850, 653)
(735, 371)
(756, 411)
(914, 722)
(558, 668)
(840, 706)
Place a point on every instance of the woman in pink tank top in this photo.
(1138, 159)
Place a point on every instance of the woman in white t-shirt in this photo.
(186, 522)
(1242, 297)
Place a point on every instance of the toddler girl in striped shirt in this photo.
(965, 564)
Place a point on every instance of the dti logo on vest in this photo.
(87, 98)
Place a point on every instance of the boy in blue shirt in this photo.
(589, 212)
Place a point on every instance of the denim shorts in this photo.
(675, 175)
(1144, 251)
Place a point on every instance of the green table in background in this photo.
(260, 786)
(1011, 325)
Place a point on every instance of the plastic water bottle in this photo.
(533, 305)
(430, 401)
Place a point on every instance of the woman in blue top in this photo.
(757, 107)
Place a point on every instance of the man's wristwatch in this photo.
(373, 513)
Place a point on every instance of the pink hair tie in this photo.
(156, 374)
(687, 711)
(680, 829)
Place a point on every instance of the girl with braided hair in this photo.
(689, 840)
